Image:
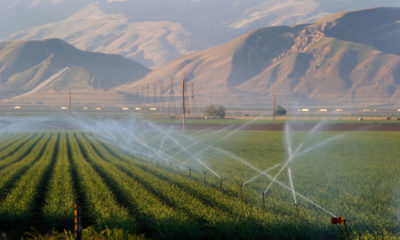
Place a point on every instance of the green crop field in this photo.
(123, 196)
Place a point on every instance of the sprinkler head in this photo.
(337, 220)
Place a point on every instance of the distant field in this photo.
(44, 173)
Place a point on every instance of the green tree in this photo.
(280, 111)
(209, 111)
(212, 111)
(220, 112)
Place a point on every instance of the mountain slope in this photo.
(29, 67)
(151, 43)
(350, 57)
(155, 31)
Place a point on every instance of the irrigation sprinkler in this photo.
(190, 172)
(204, 177)
(294, 195)
(338, 221)
(220, 183)
(297, 212)
(77, 222)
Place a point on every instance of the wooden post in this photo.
(345, 230)
(183, 104)
(192, 98)
(220, 184)
(77, 222)
(263, 203)
(297, 213)
(241, 192)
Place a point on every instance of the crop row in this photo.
(60, 197)
(101, 206)
(18, 208)
(44, 174)
(218, 215)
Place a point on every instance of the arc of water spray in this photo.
(287, 136)
(291, 157)
(111, 140)
(291, 185)
(320, 144)
(185, 150)
(241, 127)
(295, 155)
(208, 168)
(201, 138)
(196, 155)
(261, 174)
(276, 181)
(161, 147)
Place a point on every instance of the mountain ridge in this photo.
(304, 64)
(24, 65)
(153, 35)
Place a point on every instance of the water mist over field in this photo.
(304, 162)
(170, 145)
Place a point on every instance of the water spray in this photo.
(145, 148)
(261, 174)
(209, 169)
(274, 180)
(291, 157)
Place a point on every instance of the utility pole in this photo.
(69, 103)
(172, 105)
(160, 97)
(183, 103)
(274, 111)
(192, 99)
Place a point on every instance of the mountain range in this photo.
(154, 32)
(29, 68)
(346, 58)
